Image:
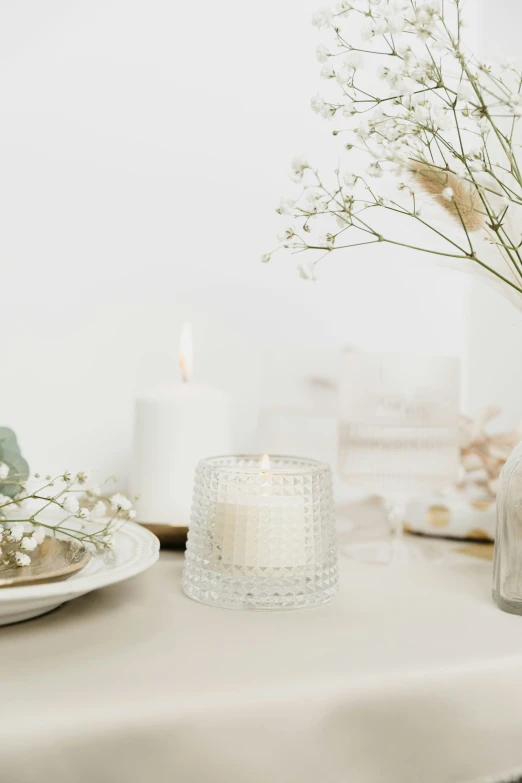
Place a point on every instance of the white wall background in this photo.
(144, 146)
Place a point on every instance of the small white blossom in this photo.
(363, 131)
(39, 534)
(321, 53)
(4, 499)
(118, 501)
(508, 64)
(265, 258)
(328, 111)
(374, 170)
(349, 109)
(350, 180)
(476, 165)
(71, 504)
(299, 165)
(326, 240)
(4, 471)
(422, 114)
(99, 509)
(306, 270)
(285, 233)
(132, 514)
(448, 194)
(22, 559)
(465, 93)
(354, 60)
(343, 76)
(317, 103)
(516, 105)
(368, 30)
(16, 532)
(28, 543)
(327, 72)
(322, 18)
(84, 513)
(286, 206)
(394, 23)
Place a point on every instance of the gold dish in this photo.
(170, 536)
(55, 559)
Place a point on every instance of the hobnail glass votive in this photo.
(262, 534)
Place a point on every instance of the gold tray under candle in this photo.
(55, 559)
(170, 536)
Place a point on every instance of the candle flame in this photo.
(185, 352)
(265, 463)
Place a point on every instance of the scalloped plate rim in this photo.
(84, 583)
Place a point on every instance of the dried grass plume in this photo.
(464, 205)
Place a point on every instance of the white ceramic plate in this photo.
(135, 549)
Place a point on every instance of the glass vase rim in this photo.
(303, 466)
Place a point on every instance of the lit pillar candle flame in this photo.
(185, 352)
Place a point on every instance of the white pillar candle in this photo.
(175, 427)
(255, 526)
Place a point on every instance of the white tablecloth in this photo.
(409, 676)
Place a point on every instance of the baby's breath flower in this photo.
(306, 270)
(435, 100)
(299, 165)
(4, 471)
(322, 53)
(374, 169)
(265, 258)
(119, 501)
(16, 532)
(317, 103)
(71, 504)
(99, 509)
(327, 72)
(322, 18)
(39, 534)
(285, 233)
(28, 543)
(343, 76)
(22, 559)
(354, 60)
(84, 513)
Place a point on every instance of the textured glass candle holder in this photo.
(261, 538)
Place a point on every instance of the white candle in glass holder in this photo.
(175, 427)
(259, 526)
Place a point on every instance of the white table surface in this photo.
(409, 675)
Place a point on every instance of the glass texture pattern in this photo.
(261, 538)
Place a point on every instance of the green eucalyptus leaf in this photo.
(18, 467)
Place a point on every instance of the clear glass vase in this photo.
(507, 571)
